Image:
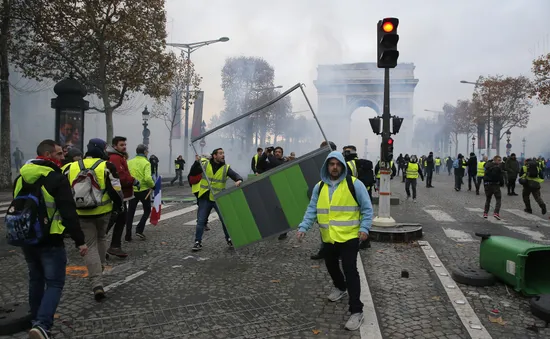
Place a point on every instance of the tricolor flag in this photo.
(157, 200)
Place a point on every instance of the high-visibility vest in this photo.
(537, 179)
(353, 167)
(217, 181)
(412, 170)
(106, 205)
(195, 188)
(481, 168)
(256, 157)
(378, 174)
(33, 172)
(339, 218)
(177, 165)
(438, 162)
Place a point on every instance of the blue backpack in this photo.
(27, 222)
(455, 163)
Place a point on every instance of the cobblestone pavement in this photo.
(273, 290)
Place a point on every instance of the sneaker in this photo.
(37, 332)
(197, 246)
(496, 216)
(355, 321)
(117, 252)
(283, 236)
(336, 294)
(543, 209)
(485, 215)
(318, 256)
(141, 236)
(229, 243)
(99, 293)
(414, 200)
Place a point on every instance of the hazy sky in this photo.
(448, 41)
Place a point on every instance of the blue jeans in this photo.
(46, 280)
(205, 207)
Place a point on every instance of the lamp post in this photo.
(488, 119)
(188, 49)
(450, 144)
(508, 144)
(146, 132)
(473, 143)
(523, 141)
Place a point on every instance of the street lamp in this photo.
(450, 143)
(523, 141)
(188, 49)
(488, 119)
(473, 143)
(146, 132)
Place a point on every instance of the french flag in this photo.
(157, 200)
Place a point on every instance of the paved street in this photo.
(273, 290)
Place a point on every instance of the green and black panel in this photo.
(272, 203)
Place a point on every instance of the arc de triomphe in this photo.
(343, 88)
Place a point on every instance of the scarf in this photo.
(57, 162)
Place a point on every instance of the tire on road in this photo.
(473, 276)
(540, 307)
(14, 318)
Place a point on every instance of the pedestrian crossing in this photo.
(514, 220)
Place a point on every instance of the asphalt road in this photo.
(273, 290)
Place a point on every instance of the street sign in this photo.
(508, 146)
(203, 143)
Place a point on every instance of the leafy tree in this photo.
(454, 121)
(541, 84)
(114, 47)
(169, 108)
(282, 114)
(506, 99)
(243, 81)
(466, 116)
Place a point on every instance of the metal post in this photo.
(524, 141)
(489, 143)
(186, 124)
(384, 218)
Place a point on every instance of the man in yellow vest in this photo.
(437, 164)
(46, 262)
(217, 172)
(531, 180)
(96, 192)
(254, 163)
(412, 171)
(342, 207)
(480, 173)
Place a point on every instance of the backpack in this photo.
(27, 222)
(87, 193)
(532, 170)
(455, 163)
(351, 187)
(364, 172)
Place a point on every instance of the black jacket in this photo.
(472, 166)
(269, 161)
(493, 174)
(430, 164)
(393, 169)
(179, 162)
(59, 188)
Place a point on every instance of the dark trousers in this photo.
(205, 207)
(138, 197)
(478, 183)
(490, 190)
(458, 181)
(118, 228)
(408, 184)
(511, 185)
(349, 279)
(429, 176)
(400, 169)
(437, 169)
(449, 170)
(46, 281)
(531, 188)
(179, 175)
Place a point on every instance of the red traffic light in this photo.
(390, 141)
(387, 27)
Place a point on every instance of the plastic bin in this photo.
(521, 264)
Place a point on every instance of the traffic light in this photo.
(389, 153)
(375, 125)
(396, 124)
(387, 42)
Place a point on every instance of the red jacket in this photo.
(126, 179)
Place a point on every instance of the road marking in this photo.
(463, 309)
(490, 218)
(122, 282)
(140, 212)
(537, 236)
(530, 217)
(440, 215)
(212, 217)
(173, 214)
(458, 236)
(6, 203)
(370, 329)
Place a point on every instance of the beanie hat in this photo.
(96, 148)
(74, 152)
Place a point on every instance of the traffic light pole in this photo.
(384, 218)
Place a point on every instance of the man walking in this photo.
(512, 171)
(342, 207)
(429, 165)
(46, 261)
(532, 179)
(179, 164)
(412, 171)
(493, 180)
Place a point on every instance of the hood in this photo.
(35, 168)
(111, 150)
(325, 176)
(490, 164)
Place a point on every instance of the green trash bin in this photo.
(519, 263)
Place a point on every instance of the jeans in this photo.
(490, 190)
(205, 207)
(179, 175)
(138, 197)
(511, 185)
(349, 280)
(46, 269)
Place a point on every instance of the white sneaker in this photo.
(414, 200)
(336, 294)
(355, 321)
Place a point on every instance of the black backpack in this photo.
(26, 221)
(532, 169)
(365, 171)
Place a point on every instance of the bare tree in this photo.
(467, 120)
(5, 123)
(169, 109)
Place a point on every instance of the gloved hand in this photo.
(137, 184)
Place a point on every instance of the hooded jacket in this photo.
(472, 165)
(361, 193)
(512, 167)
(126, 179)
(59, 188)
(493, 174)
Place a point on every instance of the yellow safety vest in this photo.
(33, 172)
(256, 157)
(196, 187)
(106, 205)
(339, 218)
(352, 166)
(412, 170)
(378, 174)
(438, 162)
(537, 179)
(481, 168)
(177, 166)
(217, 181)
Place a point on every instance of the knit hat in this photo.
(96, 148)
(74, 152)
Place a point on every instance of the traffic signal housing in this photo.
(396, 124)
(375, 124)
(389, 153)
(387, 42)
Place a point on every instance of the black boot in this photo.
(320, 255)
(543, 209)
